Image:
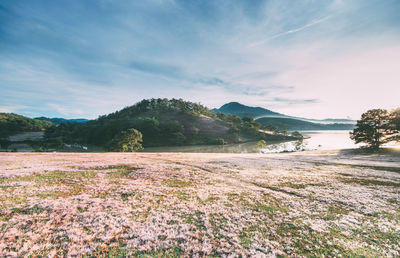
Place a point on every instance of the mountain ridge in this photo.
(60, 120)
(282, 121)
(236, 108)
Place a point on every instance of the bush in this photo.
(297, 134)
(4, 143)
(126, 141)
(261, 144)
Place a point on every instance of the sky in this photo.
(308, 58)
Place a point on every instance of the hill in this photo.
(235, 108)
(267, 117)
(57, 120)
(297, 124)
(11, 124)
(164, 122)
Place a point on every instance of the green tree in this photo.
(261, 144)
(4, 143)
(127, 141)
(373, 128)
(270, 128)
(395, 125)
(172, 132)
(299, 145)
(150, 128)
(297, 134)
(249, 120)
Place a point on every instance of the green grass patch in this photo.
(246, 237)
(120, 171)
(195, 219)
(368, 182)
(113, 251)
(175, 182)
(394, 201)
(182, 195)
(297, 185)
(164, 253)
(211, 198)
(6, 215)
(265, 204)
(218, 222)
(125, 196)
(382, 168)
(53, 177)
(333, 212)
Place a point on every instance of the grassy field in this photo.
(169, 204)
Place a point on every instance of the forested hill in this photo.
(235, 108)
(11, 124)
(283, 123)
(163, 122)
(157, 107)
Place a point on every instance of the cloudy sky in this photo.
(310, 58)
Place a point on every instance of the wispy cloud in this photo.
(65, 111)
(12, 108)
(87, 58)
(313, 23)
(157, 68)
(296, 101)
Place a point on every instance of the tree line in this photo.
(160, 122)
(149, 123)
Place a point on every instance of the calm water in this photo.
(318, 140)
(328, 140)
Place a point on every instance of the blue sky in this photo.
(311, 58)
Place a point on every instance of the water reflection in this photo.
(317, 140)
(248, 147)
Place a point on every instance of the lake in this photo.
(318, 140)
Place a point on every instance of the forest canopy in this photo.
(163, 122)
(11, 124)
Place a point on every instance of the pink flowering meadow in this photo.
(171, 204)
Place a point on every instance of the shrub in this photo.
(127, 141)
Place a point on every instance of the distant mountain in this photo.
(235, 108)
(58, 121)
(281, 121)
(297, 124)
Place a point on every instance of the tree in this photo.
(172, 132)
(299, 145)
(127, 141)
(270, 128)
(4, 143)
(395, 125)
(150, 128)
(297, 134)
(261, 144)
(249, 120)
(373, 129)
